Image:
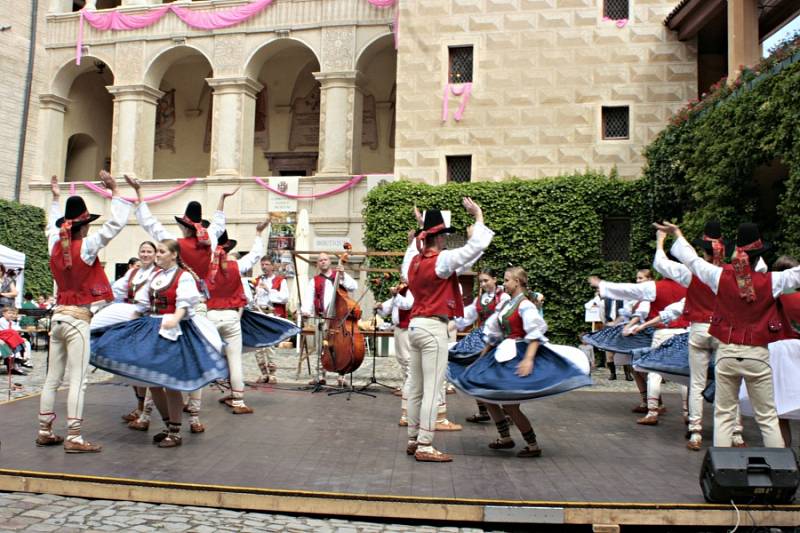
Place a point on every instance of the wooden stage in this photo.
(309, 453)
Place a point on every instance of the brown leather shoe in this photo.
(411, 449)
(640, 409)
(226, 400)
(81, 447)
(242, 410)
(446, 425)
(694, 445)
(531, 450)
(139, 425)
(48, 440)
(133, 415)
(738, 443)
(649, 420)
(403, 423)
(398, 392)
(434, 456)
(500, 444)
(171, 441)
(197, 428)
(662, 410)
(161, 435)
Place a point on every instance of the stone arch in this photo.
(377, 62)
(61, 82)
(373, 47)
(164, 59)
(82, 157)
(271, 48)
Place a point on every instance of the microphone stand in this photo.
(373, 380)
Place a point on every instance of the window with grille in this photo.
(616, 9)
(459, 168)
(460, 64)
(616, 122)
(616, 239)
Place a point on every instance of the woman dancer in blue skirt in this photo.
(506, 375)
(171, 348)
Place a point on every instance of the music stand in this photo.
(373, 380)
(319, 337)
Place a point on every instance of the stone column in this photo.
(51, 136)
(341, 106)
(133, 133)
(232, 125)
(744, 47)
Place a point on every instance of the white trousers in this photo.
(401, 349)
(736, 362)
(229, 326)
(702, 347)
(69, 349)
(428, 339)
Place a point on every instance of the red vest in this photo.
(514, 322)
(486, 312)
(226, 290)
(789, 307)
(668, 292)
(82, 284)
(737, 321)
(162, 302)
(700, 302)
(278, 309)
(404, 315)
(196, 256)
(319, 293)
(433, 296)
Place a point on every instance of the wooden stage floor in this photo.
(303, 452)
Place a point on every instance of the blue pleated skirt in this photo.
(611, 339)
(671, 359)
(556, 369)
(135, 350)
(261, 331)
(467, 349)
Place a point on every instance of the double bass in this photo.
(343, 347)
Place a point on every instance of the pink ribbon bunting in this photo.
(352, 182)
(464, 90)
(155, 198)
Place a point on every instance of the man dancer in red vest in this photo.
(83, 289)
(272, 294)
(746, 319)
(198, 241)
(432, 274)
(225, 305)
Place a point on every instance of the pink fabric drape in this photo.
(155, 198)
(464, 90)
(352, 182)
(382, 3)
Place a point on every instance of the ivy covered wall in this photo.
(552, 227)
(22, 227)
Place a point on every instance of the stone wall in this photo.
(542, 71)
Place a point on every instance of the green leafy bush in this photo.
(552, 227)
(22, 227)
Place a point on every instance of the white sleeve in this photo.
(628, 291)
(450, 262)
(705, 271)
(671, 269)
(533, 323)
(626, 311)
(281, 295)
(348, 282)
(91, 246)
(404, 302)
(785, 281)
(492, 334)
(216, 226)
(503, 299)
(120, 287)
(411, 253)
(253, 256)
(308, 302)
(142, 297)
(187, 294)
(469, 318)
(673, 311)
(386, 308)
(642, 310)
(151, 225)
(52, 230)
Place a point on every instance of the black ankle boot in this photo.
(612, 368)
(628, 372)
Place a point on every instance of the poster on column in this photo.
(277, 203)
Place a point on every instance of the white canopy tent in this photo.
(13, 259)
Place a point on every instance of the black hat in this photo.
(194, 213)
(75, 208)
(226, 243)
(436, 222)
(748, 235)
(711, 231)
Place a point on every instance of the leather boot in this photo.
(628, 372)
(612, 369)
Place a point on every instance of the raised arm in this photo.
(151, 225)
(450, 261)
(668, 268)
(469, 318)
(120, 211)
(625, 291)
(256, 251)
(55, 213)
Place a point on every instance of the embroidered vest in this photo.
(700, 302)
(433, 296)
(511, 321)
(737, 321)
(196, 256)
(486, 312)
(403, 315)
(319, 293)
(226, 290)
(668, 292)
(82, 284)
(163, 301)
(278, 309)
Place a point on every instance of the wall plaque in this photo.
(305, 120)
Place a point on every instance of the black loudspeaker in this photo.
(749, 475)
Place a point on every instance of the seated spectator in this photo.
(27, 303)
(8, 287)
(9, 334)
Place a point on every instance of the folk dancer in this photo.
(398, 307)
(272, 294)
(746, 320)
(197, 243)
(432, 274)
(82, 289)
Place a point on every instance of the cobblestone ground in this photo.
(21, 511)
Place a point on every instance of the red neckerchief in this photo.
(742, 271)
(65, 236)
(718, 249)
(219, 260)
(201, 233)
(425, 233)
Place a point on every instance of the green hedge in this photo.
(702, 165)
(552, 227)
(22, 227)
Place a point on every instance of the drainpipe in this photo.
(23, 132)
